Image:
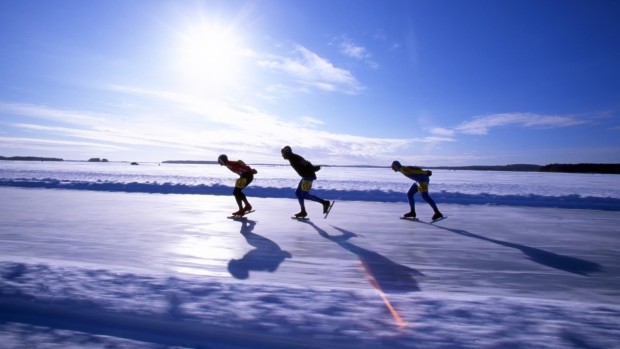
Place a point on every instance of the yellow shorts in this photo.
(306, 186)
(241, 183)
(423, 187)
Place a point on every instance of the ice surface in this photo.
(101, 268)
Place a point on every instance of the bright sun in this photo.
(210, 56)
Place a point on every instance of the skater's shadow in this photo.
(266, 256)
(384, 274)
(549, 259)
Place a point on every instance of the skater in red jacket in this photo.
(246, 176)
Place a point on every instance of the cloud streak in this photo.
(56, 145)
(351, 49)
(58, 115)
(483, 125)
(202, 128)
(311, 70)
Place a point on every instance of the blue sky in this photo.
(341, 81)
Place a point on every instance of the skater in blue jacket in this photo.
(421, 179)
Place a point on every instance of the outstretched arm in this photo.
(413, 170)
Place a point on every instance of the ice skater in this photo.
(246, 176)
(421, 180)
(307, 171)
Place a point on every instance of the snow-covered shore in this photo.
(529, 189)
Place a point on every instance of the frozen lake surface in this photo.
(104, 266)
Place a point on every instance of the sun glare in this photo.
(210, 56)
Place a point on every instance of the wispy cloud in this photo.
(482, 125)
(310, 69)
(309, 121)
(204, 128)
(56, 145)
(109, 135)
(353, 50)
(58, 115)
(381, 36)
(442, 131)
(435, 139)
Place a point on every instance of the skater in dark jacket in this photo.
(307, 171)
(246, 176)
(421, 179)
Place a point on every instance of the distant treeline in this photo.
(582, 168)
(190, 162)
(28, 158)
(568, 168)
(514, 167)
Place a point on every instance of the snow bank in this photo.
(528, 189)
(190, 312)
(530, 200)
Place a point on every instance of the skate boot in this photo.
(410, 214)
(247, 208)
(326, 204)
(301, 214)
(238, 213)
(437, 216)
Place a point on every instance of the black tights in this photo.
(238, 191)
